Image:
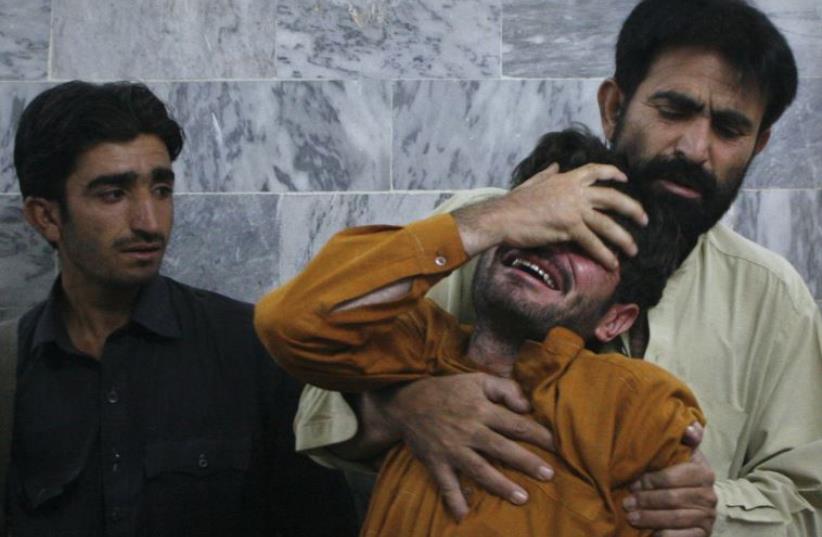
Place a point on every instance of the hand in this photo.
(555, 207)
(678, 501)
(453, 424)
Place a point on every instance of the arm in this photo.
(777, 489)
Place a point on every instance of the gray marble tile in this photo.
(801, 22)
(561, 39)
(788, 222)
(158, 39)
(454, 135)
(27, 262)
(14, 96)
(306, 222)
(282, 136)
(793, 156)
(227, 243)
(388, 38)
(24, 39)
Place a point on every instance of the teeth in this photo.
(534, 268)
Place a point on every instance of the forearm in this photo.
(318, 324)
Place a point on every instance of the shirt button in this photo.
(112, 396)
(440, 261)
(202, 462)
(115, 515)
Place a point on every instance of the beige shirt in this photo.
(738, 325)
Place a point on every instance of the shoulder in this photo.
(205, 300)
(751, 263)
(638, 376)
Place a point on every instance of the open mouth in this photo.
(537, 268)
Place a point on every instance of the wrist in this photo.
(477, 227)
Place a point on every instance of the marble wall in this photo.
(304, 116)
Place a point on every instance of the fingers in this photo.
(591, 173)
(499, 448)
(506, 392)
(667, 499)
(687, 474)
(690, 532)
(607, 199)
(674, 519)
(593, 245)
(693, 434)
(476, 468)
(450, 489)
(605, 227)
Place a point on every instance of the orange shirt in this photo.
(612, 417)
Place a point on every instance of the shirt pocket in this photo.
(197, 456)
(723, 436)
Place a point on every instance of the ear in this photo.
(762, 140)
(610, 99)
(44, 216)
(618, 319)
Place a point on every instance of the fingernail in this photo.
(519, 497)
(635, 486)
(629, 503)
(545, 473)
(633, 517)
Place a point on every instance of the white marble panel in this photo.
(11, 313)
(27, 262)
(282, 136)
(24, 39)
(789, 222)
(793, 156)
(14, 96)
(561, 38)
(388, 38)
(458, 134)
(306, 222)
(227, 243)
(162, 39)
(801, 22)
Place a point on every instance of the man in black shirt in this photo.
(144, 407)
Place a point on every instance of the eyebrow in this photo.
(158, 175)
(726, 117)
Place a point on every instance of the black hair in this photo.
(737, 31)
(660, 243)
(63, 122)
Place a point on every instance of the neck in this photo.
(91, 312)
(491, 352)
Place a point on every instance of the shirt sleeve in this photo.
(325, 418)
(779, 488)
(369, 346)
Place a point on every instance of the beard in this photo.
(502, 308)
(694, 216)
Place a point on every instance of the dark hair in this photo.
(661, 242)
(740, 33)
(66, 120)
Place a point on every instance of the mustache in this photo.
(678, 170)
(142, 239)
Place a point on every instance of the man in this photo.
(343, 325)
(697, 87)
(144, 406)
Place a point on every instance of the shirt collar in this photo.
(154, 312)
(538, 363)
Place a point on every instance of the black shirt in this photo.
(182, 428)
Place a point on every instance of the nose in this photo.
(146, 214)
(694, 142)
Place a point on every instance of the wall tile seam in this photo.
(503, 78)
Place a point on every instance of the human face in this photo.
(695, 124)
(523, 293)
(119, 213)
